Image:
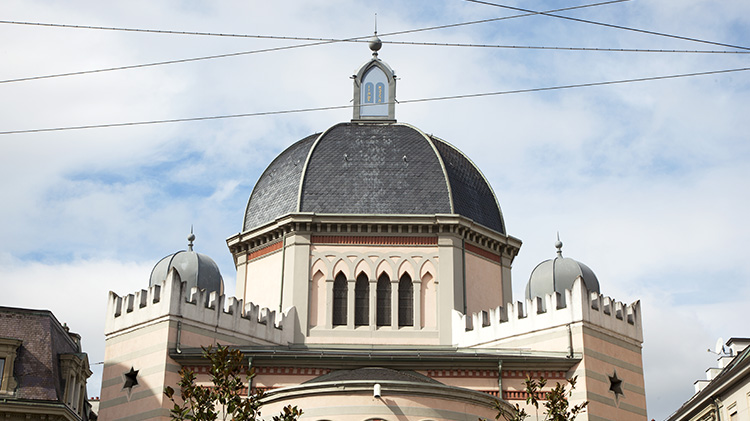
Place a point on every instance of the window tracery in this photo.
(383, 300)
(362, 301)
(405, 301)
(339, 300)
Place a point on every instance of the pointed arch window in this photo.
(405, 301)
(362, 301)
(339, 300)
(383, 299)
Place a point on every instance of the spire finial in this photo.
(191, 238)
(375, 42)
(558, 245)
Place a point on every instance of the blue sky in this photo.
(647, 182)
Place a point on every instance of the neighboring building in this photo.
(374, 282)
(725, 393)
(43, 371)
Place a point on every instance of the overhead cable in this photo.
(232, 35)
(317, 41)
(338, 107)
(608, 25)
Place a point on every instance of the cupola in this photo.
(374, 89)
(196, 269)
(559, 274)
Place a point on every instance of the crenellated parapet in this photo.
(171, 300)
(553, 310)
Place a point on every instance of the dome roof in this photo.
(384, 169)
(558, 274)
(197, 269)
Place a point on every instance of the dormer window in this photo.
(8, 350)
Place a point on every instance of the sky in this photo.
(646, 182)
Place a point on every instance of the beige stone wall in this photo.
(484, 283)
(144, 349)
(397, 402)
(263, 280)
(606, 355)
(143, 328)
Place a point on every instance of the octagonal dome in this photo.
(367, 168)
(196, 269)
(559, 274)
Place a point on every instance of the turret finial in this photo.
(191, 238)
(375, 42)
(558, 245)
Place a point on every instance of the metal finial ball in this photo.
(191, 237)
(558, 244)
(375, 43)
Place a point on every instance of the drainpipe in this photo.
(500, 379)
(570, 341)
(283, 258)
(179, 335)
(463, 269)
(717, 406)
(250, 378)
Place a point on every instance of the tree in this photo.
(556, 402)
(225, 397)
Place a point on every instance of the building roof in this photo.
(197, 269)
(559, 274)
(736, 372)
(383, 169)
(43, 340)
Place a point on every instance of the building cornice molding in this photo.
(357, 225)
(416, 357)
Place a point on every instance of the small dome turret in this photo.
(197, 269)
(559, 274)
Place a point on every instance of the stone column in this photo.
(329, 303)
(350, 284)
(394, 303)
(373, 304)
(417, 297)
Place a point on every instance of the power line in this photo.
(412, 43)
(595, 49)
(318, 41)
(233, 35)
(608, 25)
(338, 107)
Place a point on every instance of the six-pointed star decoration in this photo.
(131, 379)
(615, 385)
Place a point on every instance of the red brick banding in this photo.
(265, 250)
(484, 253)
(374, 240)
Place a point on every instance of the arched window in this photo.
(339, 300)
(383, 298)
(405, 301)
(362, 301)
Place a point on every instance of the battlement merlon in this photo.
(552, 310)
(171, 299)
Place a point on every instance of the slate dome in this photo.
(197, 269)
(365, 168)
(559, 274)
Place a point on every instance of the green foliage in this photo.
(555, 402)
(225, 397)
